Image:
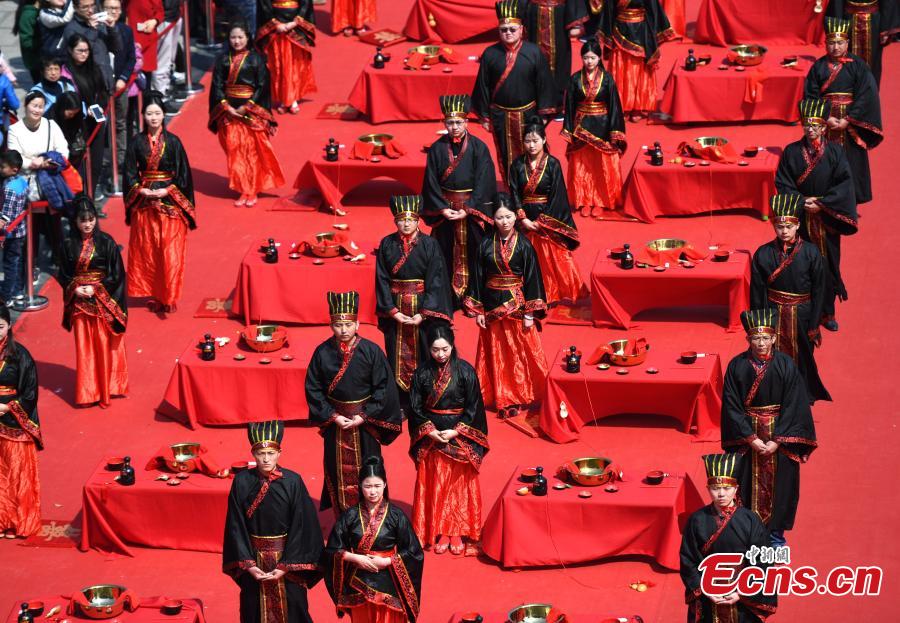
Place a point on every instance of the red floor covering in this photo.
(849, 499)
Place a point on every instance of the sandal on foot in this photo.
(456, 546)
(295, 108)
(251, 201)
(240, 201)
(442, 545)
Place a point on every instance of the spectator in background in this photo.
(25, 28)
(123, 69)
(52, 84)
(92, 88)
(15, 199)
(145, 16)
(165, 53)
(68, 113)
(100, 35)
(52, 20)
(9, 104)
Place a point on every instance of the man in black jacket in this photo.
(103, 38)
(123, 68)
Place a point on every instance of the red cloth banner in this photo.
(450, 21)
(769, 22)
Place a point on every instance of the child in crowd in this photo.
(15, 198)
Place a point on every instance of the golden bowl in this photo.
(666, 244)
(185, 451)
(747, 55)
(264, 338)
(711, 141)
(104, 602)
(591, 471)
(531, 613)
(378, 140)
(327, 244)
(621, 353)
(432, 53)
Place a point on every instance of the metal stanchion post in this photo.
(190, 87)
(114, 148)
(31, 302)
(210, 43)
(140, 107)
(88, 181)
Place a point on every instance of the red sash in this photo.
(263, 490)
(535, 175)
(345, 363)
(511, 55)
(454, 160)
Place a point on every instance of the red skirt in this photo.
(447, 499)
(352, 14)
(100, 367)
(595, 179)
(20, 487)
(376, 613)
(510, 364)
(562, 281)
(290, 68)
(635, 80)
(252, 165)
(156, 255)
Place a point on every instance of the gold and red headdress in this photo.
(758, 321)
(813, 110)
(786, 208)
(508, 12)
(455, 106)
(722, 469)
(406, 206)
(837, 29)
(343, 306)
(265, 435)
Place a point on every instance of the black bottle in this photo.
(378, 63)
(271, 252)
(656, 155)
(573, 361)
(331, 151)
(540, 482)
(25, 616)
(627, 261)
(691, 63)
(207, 348)
(126, 475)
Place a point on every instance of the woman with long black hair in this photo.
(92, 276)
(20, 437)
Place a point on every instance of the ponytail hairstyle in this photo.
(373, 466)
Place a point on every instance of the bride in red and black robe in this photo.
(92, 276)
(594, 127)
(287, 35)
(373, 560)
(538, 194)
(20, 437)
(159, 207)
(239, 113)
(506, 296)
(634, 31)
(448, 431)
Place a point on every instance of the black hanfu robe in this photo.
(507, 280)
(547, 25)
(161, 163)
(870, 21)
(732, 531)
(540, 196)
(241, 79)
(410, 278)
(272, 524)
(94, 261)
(637, 27)
(767, 400)
(822, 171)
(348, 380)
(19, 390)
(448, 397)
(850, 87)
(513, 85)
(385, 532)
(593, 113)
(792, 280)
(459, 175)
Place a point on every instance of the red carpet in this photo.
(848, 495)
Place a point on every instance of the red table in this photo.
(229, 392)
(398, 94)
(147, 612)
(770, 22)
(450, 21)
(501, 617)
(617, 295)
(335, 179)
(562, 528)
(675, 190)
(691, 394)
(710, 95)
(294, 290)
(151, 513)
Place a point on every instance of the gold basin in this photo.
(747, 55)
(104, 601)
(711, 141)
(432, 53)
(666, 244)
(378, 140)
(185, 451)
(591, 471)
(532, 613)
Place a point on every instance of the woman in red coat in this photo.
(144, 16)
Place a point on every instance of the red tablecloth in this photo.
(450, 21)
(228, 392)
(151, 513)
(562, 528)
(398, 94)
(501, 617)
(675, 190)
(770, 22)
(692, 394)
(617, 295)
(148, 612)
(335, 179)
(294, 290)
(768, 91)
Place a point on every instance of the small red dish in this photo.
(723, 67)
(172, 606)
(689, 356)
(721, 256)
(622, 371)
(471, 617)
(742, 163)
(704, 163)
(652, 371)
(687, 264)
(740, 68)
(655, 477)
(182, 475)
(239, 357)
(611, 489)
(35, 608)
(318, 262)
(287, 357)
(173, 482)
(659, 269)
(751, 151)
(528, 474)
(114, 463)
(265, 361)
(616, 253)
(585, 494)
(447, 70)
